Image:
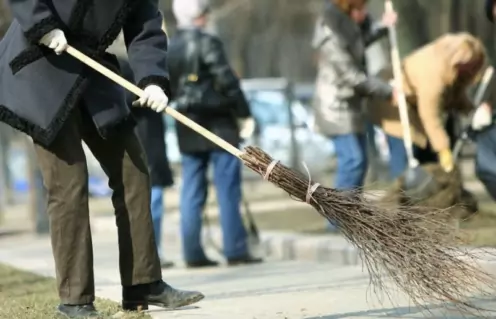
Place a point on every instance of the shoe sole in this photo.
(185, 302)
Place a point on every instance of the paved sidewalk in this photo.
(274, 290)
(281, 246)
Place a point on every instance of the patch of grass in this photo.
(24, 295)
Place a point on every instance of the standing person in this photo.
(342, 85)
(206, 90)
(60, 102)
(151, 132)
(485, 130)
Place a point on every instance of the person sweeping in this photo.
(435, 81)
(342, 85)
(404, 246)
(60, 102)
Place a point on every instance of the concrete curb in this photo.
(283, 246)
(274, 245)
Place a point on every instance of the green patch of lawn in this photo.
(24, 295)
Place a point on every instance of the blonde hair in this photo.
(464, 49)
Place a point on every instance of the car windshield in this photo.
(269, 107)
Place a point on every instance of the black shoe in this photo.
(245, 260)
(138, 298)
(77, 311)
(163, 295)
(164, 264)
(202, 264)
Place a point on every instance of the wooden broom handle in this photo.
(139, 92)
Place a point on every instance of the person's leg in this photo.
(227, 180)
(398, 161)
(193, 198)
(485, 158)
(123, 160)
(351, 161)
(65, 176)
(157, 210)
(351, 154)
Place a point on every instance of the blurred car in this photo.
(284, 125)
(271, 100)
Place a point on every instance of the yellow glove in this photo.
(446, 160)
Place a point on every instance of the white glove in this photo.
(246, 127)
(55, 40)
(482, 118)
(154, 98)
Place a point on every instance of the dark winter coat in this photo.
(489, 10)
(151, 132)
(213, 67)
(39, 89)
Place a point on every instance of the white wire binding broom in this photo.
(408, 245)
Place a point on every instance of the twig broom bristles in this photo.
(410, 245)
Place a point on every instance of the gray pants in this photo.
(65, 174)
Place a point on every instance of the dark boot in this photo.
(245, 260)
(77, 311)
(165, 264)
(160, 294)
(202, 264)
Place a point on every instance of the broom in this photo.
(409, 245)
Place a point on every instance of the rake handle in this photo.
(402, 104)
(478, 98)
(139, 92)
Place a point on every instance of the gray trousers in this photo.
(65, 175)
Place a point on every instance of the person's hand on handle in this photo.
(395, 95)
(55, 40)
(246, 127)
(446, 160)
(483, 117)
(389, 18)
(153, 98)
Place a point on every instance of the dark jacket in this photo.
(39, 89)
(213, 66)
(150, 129)
(342, 82)
(372, 30)
(488, 8)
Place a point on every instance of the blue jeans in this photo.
(351, 153)
(398, 161)
(485, 158)
(227, 181)
(157, 209)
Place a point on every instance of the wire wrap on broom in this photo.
(311, 188)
